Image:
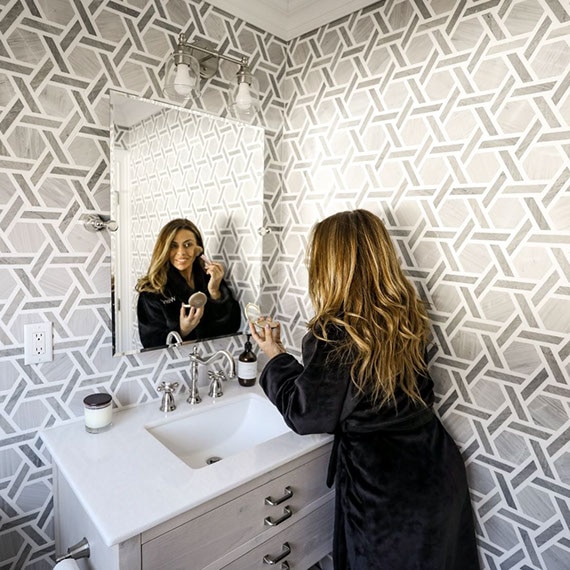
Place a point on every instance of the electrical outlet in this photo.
(38, 343)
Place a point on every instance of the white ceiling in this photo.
(288, 19)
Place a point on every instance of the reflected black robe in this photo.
(402, 500)
(159, 314)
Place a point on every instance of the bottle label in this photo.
(247, 370)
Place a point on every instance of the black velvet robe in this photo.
(159, 314)
(402, 501)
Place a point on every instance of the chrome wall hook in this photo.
(95, 223)
(264, 230)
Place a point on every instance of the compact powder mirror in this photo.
(196, 300)
(253, 315)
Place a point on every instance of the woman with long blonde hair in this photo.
(402, 500)
(178, 269)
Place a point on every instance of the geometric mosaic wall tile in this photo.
(449, 119)
(57, 64)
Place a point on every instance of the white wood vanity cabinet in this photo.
(282, 519)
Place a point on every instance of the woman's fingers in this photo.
(189, 321)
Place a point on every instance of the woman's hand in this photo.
(216, 272)
(189, 320)
(268, 339)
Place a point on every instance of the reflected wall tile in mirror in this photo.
(170, 162)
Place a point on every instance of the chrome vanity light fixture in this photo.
(191, 62)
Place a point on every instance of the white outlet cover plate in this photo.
(31, 353)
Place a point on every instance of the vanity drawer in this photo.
(200, 541)
(301, 545)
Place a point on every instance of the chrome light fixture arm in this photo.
(191, 61)
(208, 60)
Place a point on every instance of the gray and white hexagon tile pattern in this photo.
(229, 218)
(448, 118)
(57, 62)
(451, 120)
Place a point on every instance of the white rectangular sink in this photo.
(207, 435)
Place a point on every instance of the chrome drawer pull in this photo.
(272, 560)
(287, 512)
(288, 494)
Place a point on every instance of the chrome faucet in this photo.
(173, 338)
(195, 360)
(167, 404)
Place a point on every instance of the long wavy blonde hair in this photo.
(155, 279)
(356, 285)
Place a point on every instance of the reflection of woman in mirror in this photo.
(177, 270)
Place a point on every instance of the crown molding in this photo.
(288, 19)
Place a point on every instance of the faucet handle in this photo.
(167, 387)
(218, 374)
(167, 404)
(216, 378)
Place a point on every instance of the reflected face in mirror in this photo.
(177, 272)
(184, 250)
(168, 162)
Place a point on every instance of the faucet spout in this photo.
(195, 357)
(173, 338)
(195, 360)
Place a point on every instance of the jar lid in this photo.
(97, 400)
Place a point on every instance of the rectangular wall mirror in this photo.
(168, 162)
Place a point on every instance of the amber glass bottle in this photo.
(247, 365)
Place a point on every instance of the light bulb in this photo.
(243, 97)
(183, 82)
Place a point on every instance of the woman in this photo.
(402, 500)
(177, 270)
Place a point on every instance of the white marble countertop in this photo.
(128, 482)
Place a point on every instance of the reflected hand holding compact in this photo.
(253, 315)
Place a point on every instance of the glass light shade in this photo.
(244, 95)
(182, 78)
